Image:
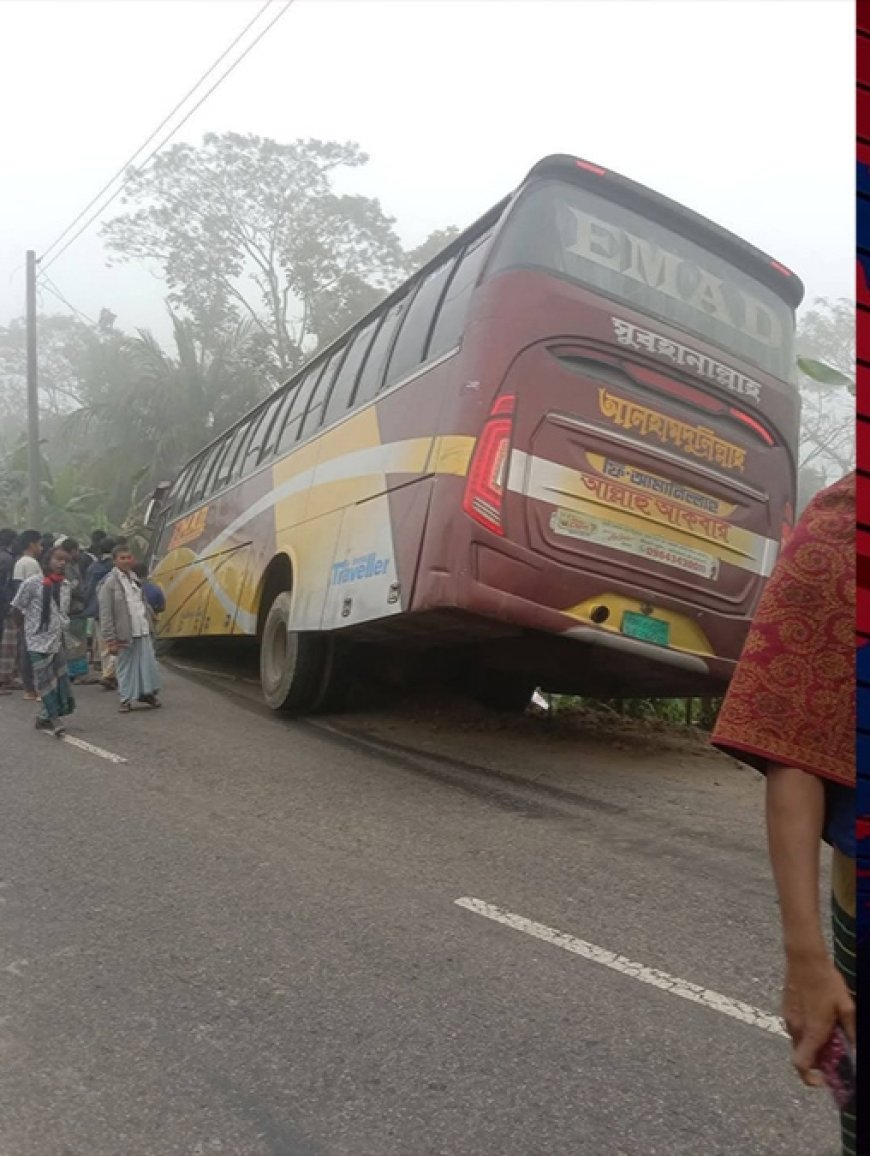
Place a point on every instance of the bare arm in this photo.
(816, 997)
(795, 819)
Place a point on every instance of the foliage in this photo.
(118, 413)
(243, 227)
(140, 424)
(265, 261)
(826, 364)
(68, 506)
(699, 712)
(63, 342)
(824, 374)
(826, 333)
(431, 247)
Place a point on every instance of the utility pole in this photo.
(33, 471)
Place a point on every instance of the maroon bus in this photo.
(562, 454)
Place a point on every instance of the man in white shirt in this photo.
(29, 550)
(125, 623)
(14, 657)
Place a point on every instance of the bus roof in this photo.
(690, 224)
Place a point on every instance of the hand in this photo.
(114, 647)
(814, 1001)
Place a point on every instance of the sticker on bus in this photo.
(601, 532)
(359, 569)
(660, 485)
(189, 529)
(699, 441)
(683, 355)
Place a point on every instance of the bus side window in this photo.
(339, 398)
(314, 410)
(450, 321)
(198, 490)
(277, 424)
(236, 459)
(255, 445)
(225, 469)
(372, 374)
(214, 466)
(411, 343)
(293, 416)
(179, 497)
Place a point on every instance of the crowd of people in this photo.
(64, 610)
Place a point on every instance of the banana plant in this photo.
(825, 374)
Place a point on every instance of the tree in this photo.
(138, 426)
(826, 363)
(416, 258)
(243, 227)
(63, 342)
(117, 413)
(68, 505)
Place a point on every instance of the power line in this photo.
(150, 138)
(130, 174)
(48, 284)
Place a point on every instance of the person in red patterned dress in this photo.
(790, 712)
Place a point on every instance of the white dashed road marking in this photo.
(93, 750)
(723, 1004)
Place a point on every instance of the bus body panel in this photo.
(648, 479)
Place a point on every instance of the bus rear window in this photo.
(653, 269)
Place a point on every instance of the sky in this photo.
(741, 109)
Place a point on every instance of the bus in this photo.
(560, 455)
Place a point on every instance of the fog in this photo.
(741, 110)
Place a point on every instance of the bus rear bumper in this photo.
(591, 636)
(582, 658)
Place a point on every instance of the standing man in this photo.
(790, 712)
(98, 571)
(29, 549)
(76, 641)
(7, 566)
(42, 602)
(29, 552)
(125, 622)
(89, 556)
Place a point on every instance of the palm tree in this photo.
(148, 411)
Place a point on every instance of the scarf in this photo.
(51, 585)
(792, 698)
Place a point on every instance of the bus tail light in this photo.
(754, 425)
(487, 475)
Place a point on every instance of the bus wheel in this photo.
(502, 691)
(291, 663)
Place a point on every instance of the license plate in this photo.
(644, 627)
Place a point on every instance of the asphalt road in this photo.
(245, 941)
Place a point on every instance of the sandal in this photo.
(125, 707)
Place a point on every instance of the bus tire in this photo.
(291, 662)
